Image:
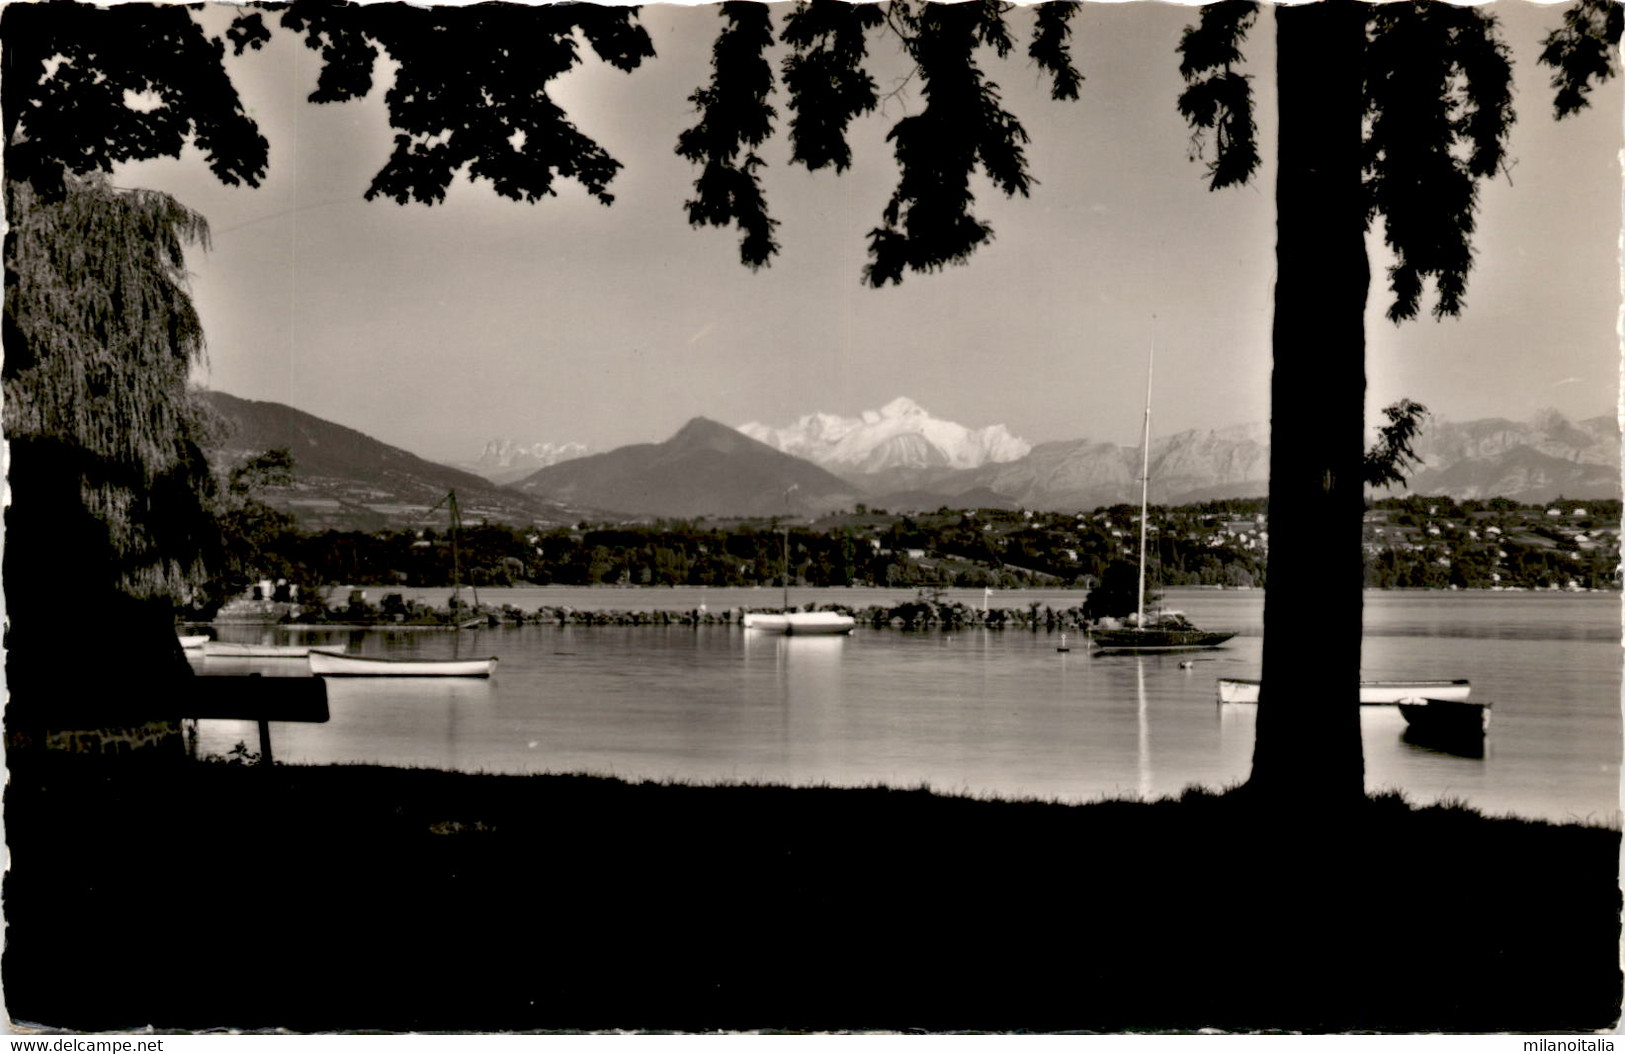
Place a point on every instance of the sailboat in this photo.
(797, 623)
(343, 664)
(1171, 632)
(456, 565)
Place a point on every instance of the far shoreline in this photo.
(874, 607)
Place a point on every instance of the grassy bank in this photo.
(357, 898)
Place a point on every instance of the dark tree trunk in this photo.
(1308, 740)
(60, 587)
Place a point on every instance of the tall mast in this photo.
(1145, 481)
(793, 488)
(456, 569)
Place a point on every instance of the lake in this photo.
(977, 712)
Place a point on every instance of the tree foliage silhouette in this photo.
(735, 116)
(1389, 460)
(962, 129)
(471, 89)
(68, 69)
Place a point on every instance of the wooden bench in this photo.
(255, 698)
(108, 720)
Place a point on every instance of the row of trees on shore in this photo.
(1485, 545)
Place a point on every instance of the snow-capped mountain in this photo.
(504, 461)
(899, 435)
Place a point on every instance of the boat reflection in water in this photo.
(803, 688)
(426, 722)
(1144, 730)
(807, 666)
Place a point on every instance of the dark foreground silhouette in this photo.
(315, 898)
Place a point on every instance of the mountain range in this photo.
(1537, 460)
(347, 479)
(1084, 473)
(1532, 461)
(900, 457)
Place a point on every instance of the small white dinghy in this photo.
(327, 664)
(1372, 693)
(194, 642)
(801, 622)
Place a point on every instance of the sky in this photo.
(439, 328)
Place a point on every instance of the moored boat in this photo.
(1372, 693)
(328, 664)
(1171, 631)
(1156, 638)
(794, 623)
(193, 641)
(231, 650)
(1448, 724)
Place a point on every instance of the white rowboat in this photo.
(1372, 693)
(227, 650)
(795, 623)
(325, 664)
(194, 642)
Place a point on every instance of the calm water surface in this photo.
(975, 712)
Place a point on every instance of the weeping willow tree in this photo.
(101, 335)
(110, 516)
(109, 489)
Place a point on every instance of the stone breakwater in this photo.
(920, 614)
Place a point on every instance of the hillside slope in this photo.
(346, 480)
(706, 469)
